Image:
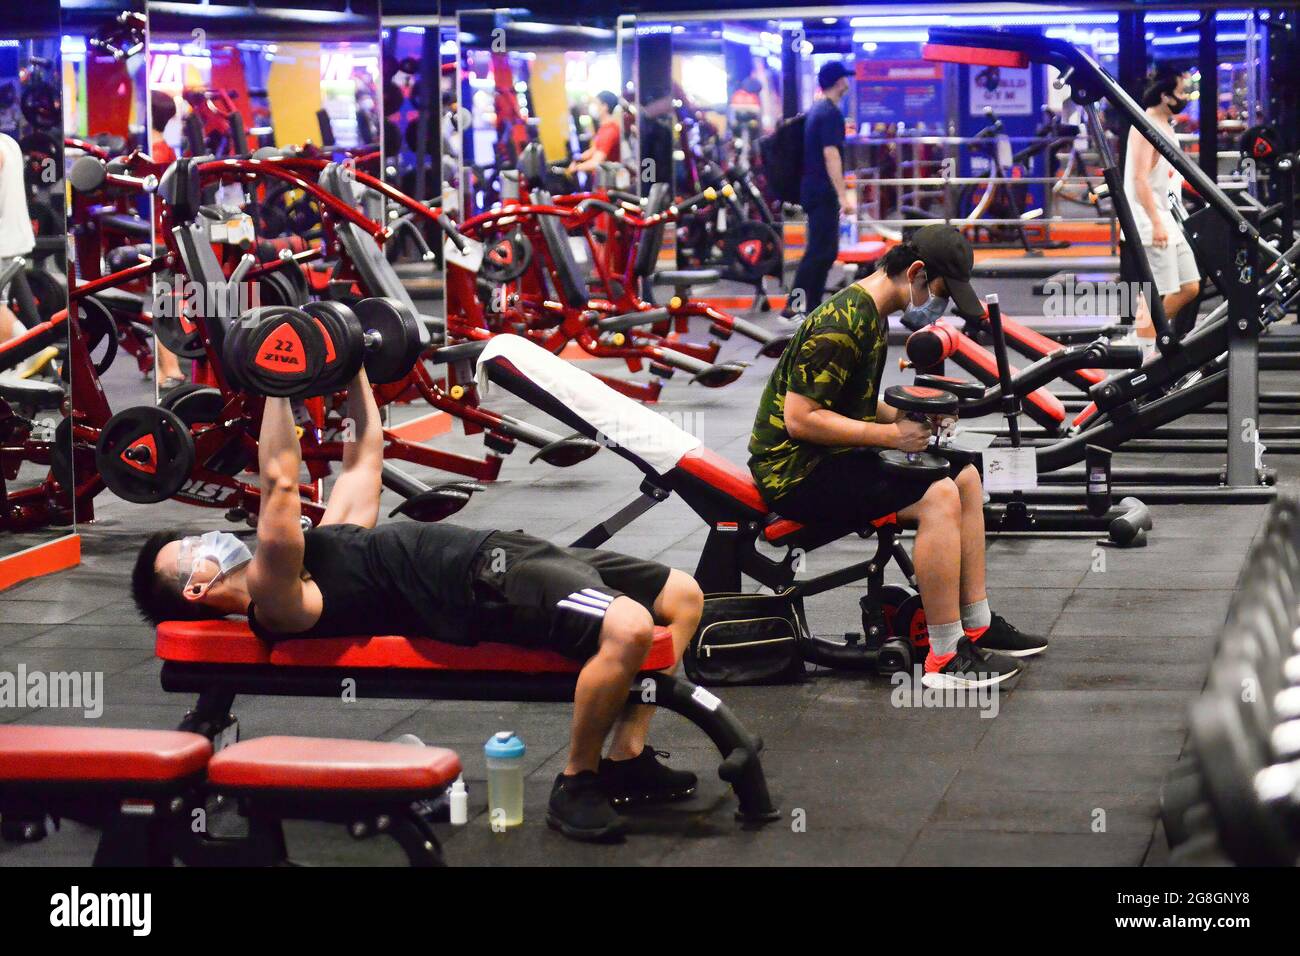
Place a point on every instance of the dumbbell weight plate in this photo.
(922, 465)
(276, 350)
(145, 454)
(1229, 759)
(343, 345)
(921, 400)
(400, 341)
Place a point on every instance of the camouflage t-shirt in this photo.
(836, 359)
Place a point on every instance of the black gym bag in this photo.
(747, 639)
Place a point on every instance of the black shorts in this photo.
(850, 489)
(531, 593)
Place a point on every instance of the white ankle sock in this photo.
(944, 638)
(977, 615)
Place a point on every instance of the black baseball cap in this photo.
(831, 73)
(947, 253)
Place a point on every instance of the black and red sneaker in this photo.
(967, 668)
(1006, 639)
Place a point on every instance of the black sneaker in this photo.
(580, 810)
(643, 779)
(1009, 641)
(968, 668)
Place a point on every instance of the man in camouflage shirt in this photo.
(820, 425)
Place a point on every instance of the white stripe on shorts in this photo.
(583, 598)
(584, 608)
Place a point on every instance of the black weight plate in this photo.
(924, 465)
(49, 291)
(175, 330)
(507, 259)
(97, 328)
(145, 454)
(753, 250)
(276, 288)
(399, 331)
(196, 404)
(279, 351)
(343, 346)
(41, 104)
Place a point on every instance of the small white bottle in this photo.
(459, 803)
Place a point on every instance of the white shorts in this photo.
(1172, 267)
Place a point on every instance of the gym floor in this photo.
(1067, 772)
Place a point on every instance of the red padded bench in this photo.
(862, 256)
(218, 660)
(144, 788)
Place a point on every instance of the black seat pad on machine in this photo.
(120, 300)
(658, 200)
(376, 272)
(573, 285)
(687, 277)
(31, 393)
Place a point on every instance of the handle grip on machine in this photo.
(89, 174)
(594, 203)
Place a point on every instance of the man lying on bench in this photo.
(349, 578)
(821, 423)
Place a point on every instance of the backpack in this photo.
(747, 639)
(782, 154)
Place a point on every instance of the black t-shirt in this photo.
(406, 579)
(823, 126)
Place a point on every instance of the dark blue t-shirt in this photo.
(823, 126)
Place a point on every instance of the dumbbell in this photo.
(919, 403)
(283, 351)
(382, 334)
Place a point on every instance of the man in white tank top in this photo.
(1152, 185)
(16, 236)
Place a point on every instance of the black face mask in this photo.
(1179, 103)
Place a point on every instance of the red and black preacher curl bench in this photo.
(726, 498)
(220, 659)
(147, 791)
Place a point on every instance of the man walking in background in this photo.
(821, 190)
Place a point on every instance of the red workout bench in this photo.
(221, 659)
(862, 256)
(144, 789)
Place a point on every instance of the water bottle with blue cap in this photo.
(505, 773)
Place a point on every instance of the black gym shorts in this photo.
(850, 489)
(531, 593)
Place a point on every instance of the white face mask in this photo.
(220, 548)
